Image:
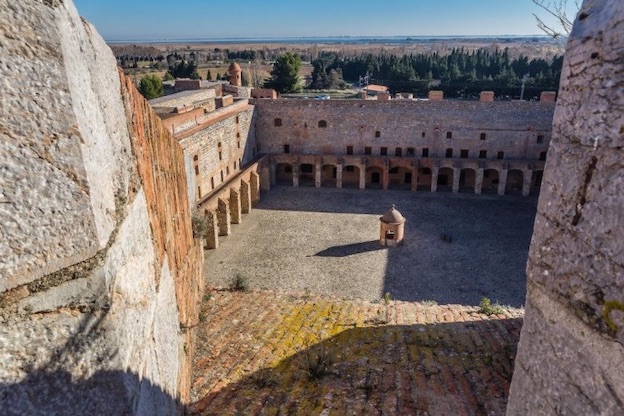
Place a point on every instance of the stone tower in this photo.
(234, 74)
(391, 228)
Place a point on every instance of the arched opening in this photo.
(322, 124)
(515, 178)
(284, 174)
(328, 176)
(490, 181)
(445, 180)
(424, 179)
(306, 174)
(400, 177)
(374, 175)
(536, 181)
(467, 180)
(351, 177)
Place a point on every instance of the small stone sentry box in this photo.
(391, 228)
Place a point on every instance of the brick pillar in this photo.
(339, 175)
(223, 218)
(235, 206)
(255, 183)
(527, 177)
(456, 174)
(317, 175)
(479, 181)
(362, 177)
(295, 174)
(212, 234)
(414, 178)
(502, 181)
(261, 181)
(245, 191)
(434, 178)
(385, 176)
(272, 168)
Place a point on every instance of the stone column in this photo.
(527, 177)
(362, 176)
(223, 217)
(255, 183)
(479, 181)
(235, 207)
(272, 169)
(385, 176)
(502, 181)
(434, 178)
(245, 192)
(456, 175)
(317, 175)
(339, 175)
(295, 174)
(212, 234)
(414, 178)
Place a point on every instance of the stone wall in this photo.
(520, 129)
(571, 353)
(218, 148)
(100, 277)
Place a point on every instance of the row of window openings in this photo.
(308, 169)
(449, 134)
(212, 180)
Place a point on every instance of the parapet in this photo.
(548, 96)
(264, 93)
(436, 95)
(486, 96)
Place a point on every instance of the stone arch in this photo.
(515, 178)
(284, 174)
(491, 177)
(329, 174)
(351, 176)
(306, 174)
(322, 124)
(467, 180)
(424, 178)
(445, 179)
(400, 177)
(536, 181)
(374, 177)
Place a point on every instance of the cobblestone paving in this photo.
(256, 352)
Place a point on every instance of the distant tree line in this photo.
(460, 73)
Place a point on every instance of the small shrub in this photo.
(387, 298)
(429, 303)
(264, 378)
(200, 225)
(317, 364)
(488, 308)
(240, 283)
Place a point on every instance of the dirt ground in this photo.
(324, 241)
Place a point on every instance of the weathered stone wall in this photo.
(100, 277)
(512, 127)
(182, 98)
(571, 353)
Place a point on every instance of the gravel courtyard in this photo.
(324, 241)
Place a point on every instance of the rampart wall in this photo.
(100, 276)
(571, 354)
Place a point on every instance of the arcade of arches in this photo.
(487, 177)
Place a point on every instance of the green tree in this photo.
(168, 77)
(151, 87)
(285, 74)
(209, 76)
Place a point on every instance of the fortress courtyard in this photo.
(325, 242)
(314, 334)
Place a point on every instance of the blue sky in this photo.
(145, 19)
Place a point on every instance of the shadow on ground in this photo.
(350, 249)
(450, 368)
